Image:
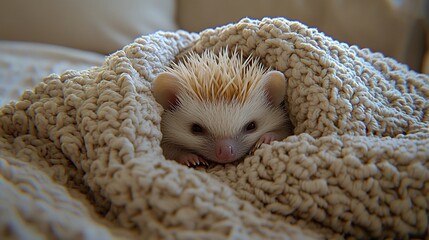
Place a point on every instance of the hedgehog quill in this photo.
(217, 108)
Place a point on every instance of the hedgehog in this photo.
(219, 107)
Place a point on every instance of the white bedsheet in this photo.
(24, 64)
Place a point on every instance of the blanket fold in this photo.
(80, 154)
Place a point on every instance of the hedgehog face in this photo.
(219, 106)
(206, 128)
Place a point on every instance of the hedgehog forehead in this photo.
(221, 89)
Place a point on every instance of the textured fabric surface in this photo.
(24, 64)
(81, 153)
(394, 27)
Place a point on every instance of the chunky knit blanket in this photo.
(81, 159)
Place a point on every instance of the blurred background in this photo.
(74, 31)
(397, 28)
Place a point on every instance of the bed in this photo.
(81, 158)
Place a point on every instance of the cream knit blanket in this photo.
(81, 159)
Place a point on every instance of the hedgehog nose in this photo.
(225, 151)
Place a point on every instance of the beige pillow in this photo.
(95, 25)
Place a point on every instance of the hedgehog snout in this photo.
(225, 150)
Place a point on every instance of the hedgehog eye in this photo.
(251, 126)
(197, 129)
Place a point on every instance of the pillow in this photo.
(96, 25)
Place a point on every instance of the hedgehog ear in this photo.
(275, 87)
(165, 88)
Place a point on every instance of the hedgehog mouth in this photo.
(213, 159)
(209, 156)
